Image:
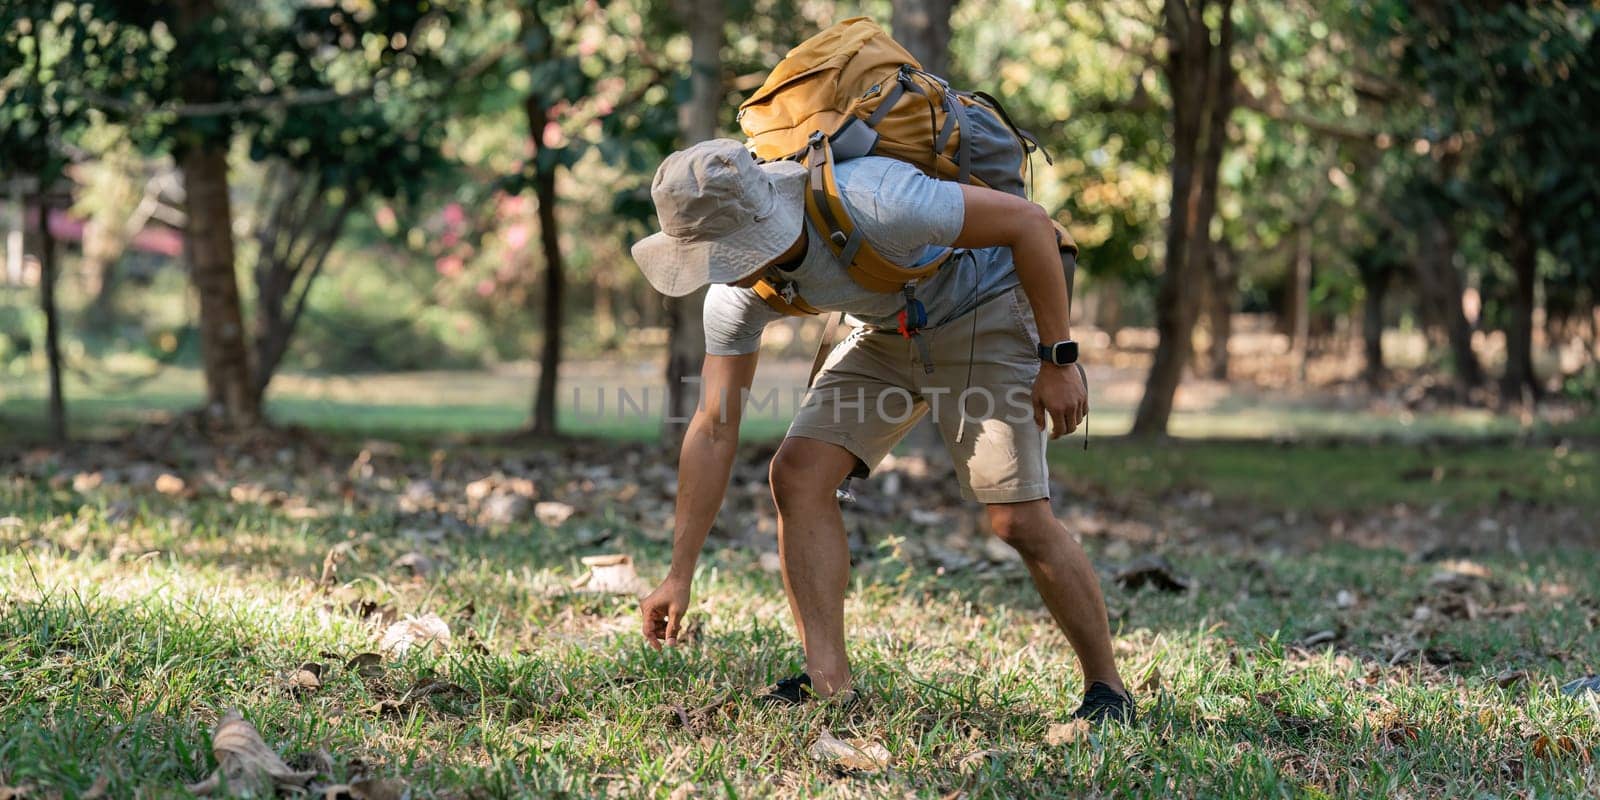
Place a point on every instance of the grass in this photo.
(130, 620)
(486, 401)
(1335, 476)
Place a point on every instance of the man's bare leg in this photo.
(816, 557)
(1065, 579)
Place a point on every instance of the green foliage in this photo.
(1504, 87)
(40, 42)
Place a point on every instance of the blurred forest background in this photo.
(294, 280)
(282, 207)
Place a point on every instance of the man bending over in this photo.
(730, 222)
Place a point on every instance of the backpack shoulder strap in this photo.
(1069, 259)
(823, 203)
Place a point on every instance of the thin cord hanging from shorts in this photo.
(972, 348)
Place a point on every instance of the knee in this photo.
(791, 480)
(1028, 527)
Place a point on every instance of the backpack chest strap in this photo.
(782, 297)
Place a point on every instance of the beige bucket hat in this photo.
(723, 216)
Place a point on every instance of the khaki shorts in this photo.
(873, 389)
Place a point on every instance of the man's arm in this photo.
(998, 219)
(704, 464)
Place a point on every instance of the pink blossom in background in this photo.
(552, 135)
(449, 238)
(516, 236)
(486, 287)
(385, 218)
(454, 215)
(449, 266)
(513, 205)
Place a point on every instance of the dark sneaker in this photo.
(797, 691)
(1102, 703)
(789, 692)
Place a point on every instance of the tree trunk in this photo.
(534, 106)
(1108, 307)
(1300, 303)
(1219, 309)
(103, 308)
(686, 340)
(14, 236)
(52, 321)
(923, 27)
(555, 292)
(102, 248)
(1376, 283)
(1519, 336)
(1201, 80)
(291, 245)
(1440, 283)
(208, 243)
(544, 188)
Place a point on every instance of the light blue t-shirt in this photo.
(909, 218)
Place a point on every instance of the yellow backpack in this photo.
(852, 91)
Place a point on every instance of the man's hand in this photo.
(1059, 395)
(663, 611)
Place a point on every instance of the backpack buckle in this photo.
(816, 140)
(787, 291)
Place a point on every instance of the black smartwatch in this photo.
(1060, 354)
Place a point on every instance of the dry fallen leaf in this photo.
(1510, 677)
(1320, 637)
(611, 574)
(1061, 733)
(307, 678)
(414, 563)
(15, 792)
(1153, 570)
(170, 484)
(857, 755)
(330, 563)
(1559, 747)
(317, 761)
(974, 761)
(553, 513)
(379, 789)
(423, 688)
(367, 665)
(245, 764)
(413, 631)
